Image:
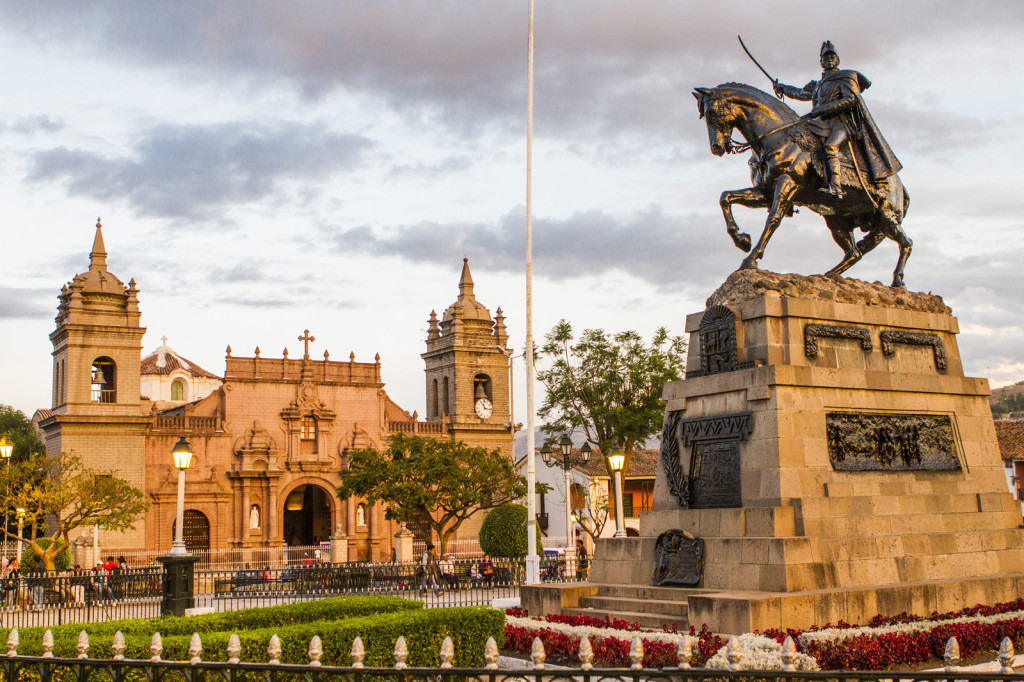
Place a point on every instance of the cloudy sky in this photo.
(266, 167)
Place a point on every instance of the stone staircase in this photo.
(651, 607)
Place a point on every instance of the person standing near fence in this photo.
(582, 564)
(37, 583)
(12, 584)
(428, 564)
(487, 569)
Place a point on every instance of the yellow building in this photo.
(272, 436)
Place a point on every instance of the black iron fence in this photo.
(16, 668)
(49, 599)
(454, 583)
(45, 600)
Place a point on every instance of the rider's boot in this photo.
(834, 172)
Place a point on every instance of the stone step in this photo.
(647, 592)
(657, 606)
(655, 621)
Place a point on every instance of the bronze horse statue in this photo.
(786, 171)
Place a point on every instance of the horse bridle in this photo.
(737, 147)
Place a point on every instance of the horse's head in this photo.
(720, 115)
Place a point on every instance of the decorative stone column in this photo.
(403, 545)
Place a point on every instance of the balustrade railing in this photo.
(48, 667)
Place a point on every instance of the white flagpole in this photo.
(532, 560)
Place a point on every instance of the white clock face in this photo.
(484, 408)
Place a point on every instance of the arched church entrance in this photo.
(196, 531)
(307, 516)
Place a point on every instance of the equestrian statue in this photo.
(833, 160)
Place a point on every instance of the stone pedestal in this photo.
(833, 458)
(178, 584)
(403, 545)
(339, 547)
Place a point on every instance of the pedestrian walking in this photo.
(428, 564)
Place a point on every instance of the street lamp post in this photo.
(179, 566)
(565, 450)
(21, 525)
(617, 462)
(182, 453)
(6, 449)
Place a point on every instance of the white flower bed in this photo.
(840, 634)
(760, 653)
(592, 632)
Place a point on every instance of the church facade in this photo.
(271, 435)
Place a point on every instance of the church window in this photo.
(433, 411)
(177, 390)
(309, 427)
(445, 396)
(104, 380)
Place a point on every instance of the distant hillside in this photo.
(1008, 400)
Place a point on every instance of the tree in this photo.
(595, 513)
(59, 493)
(608, 387)
(503, 532)
(432, 484)
(21, 431)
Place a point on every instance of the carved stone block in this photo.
(678, 559)
(891, 442)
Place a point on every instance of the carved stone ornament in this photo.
(712, 477)
(718, 343)
(891, 442)
(890, 337)
(812, 332)
(678, 559)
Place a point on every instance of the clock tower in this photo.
(467, 371)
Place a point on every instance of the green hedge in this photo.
(424, 631)
(335, 608)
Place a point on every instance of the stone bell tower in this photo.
(467, 371)
(97, 412)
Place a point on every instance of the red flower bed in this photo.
(863, 652)
(609, 652)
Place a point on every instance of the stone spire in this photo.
(98, 257)
(466, 282)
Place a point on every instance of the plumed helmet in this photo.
(827, 47)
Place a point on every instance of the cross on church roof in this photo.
(306, 338)
(163, 339)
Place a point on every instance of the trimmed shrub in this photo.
(503, 532)
(331, 609)
(424, 631)
(28, 557)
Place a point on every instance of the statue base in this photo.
(832, 457)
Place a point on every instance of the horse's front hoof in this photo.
(743, 242)
(749, 263)
(897, 282)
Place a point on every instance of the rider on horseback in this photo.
(839, 114)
